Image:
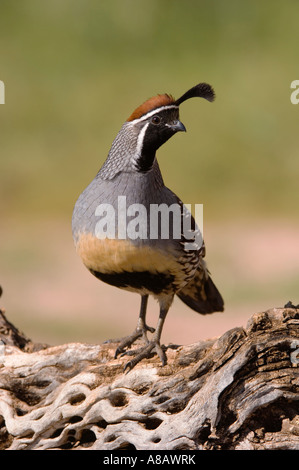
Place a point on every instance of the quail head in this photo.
(129, 228)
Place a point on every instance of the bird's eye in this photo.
(156, 120)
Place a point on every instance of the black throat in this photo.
(146, 160)
(155, 135)
(153, 139)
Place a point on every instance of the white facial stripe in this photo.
(154, 111)
(140, 140)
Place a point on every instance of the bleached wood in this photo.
(238, 391)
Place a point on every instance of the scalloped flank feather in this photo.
(152, 103)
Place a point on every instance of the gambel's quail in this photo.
(130, 229)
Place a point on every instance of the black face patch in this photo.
(153, 282)
(158, 131)
(166, 115)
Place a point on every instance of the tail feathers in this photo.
(202, 295)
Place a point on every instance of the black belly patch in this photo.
(154, 282)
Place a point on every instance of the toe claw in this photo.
(145, 353)
(151, 348)
(128, 367)
(161, 353)
(117, 352)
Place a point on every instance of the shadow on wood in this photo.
(238, 391)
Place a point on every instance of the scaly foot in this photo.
(127, 341)
(145, 353)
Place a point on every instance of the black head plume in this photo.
(202, 90)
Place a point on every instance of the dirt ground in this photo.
(51, 296)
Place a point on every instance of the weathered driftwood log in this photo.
(239, 391)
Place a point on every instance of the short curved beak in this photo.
(177, 126)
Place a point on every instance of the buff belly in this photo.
(141, 269)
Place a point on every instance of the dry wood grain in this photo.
(238, 391)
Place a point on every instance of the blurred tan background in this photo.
(73, 72)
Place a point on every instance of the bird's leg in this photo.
(146, 351)
(140, 330)
(141, 325)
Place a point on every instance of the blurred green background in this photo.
(73, 72)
